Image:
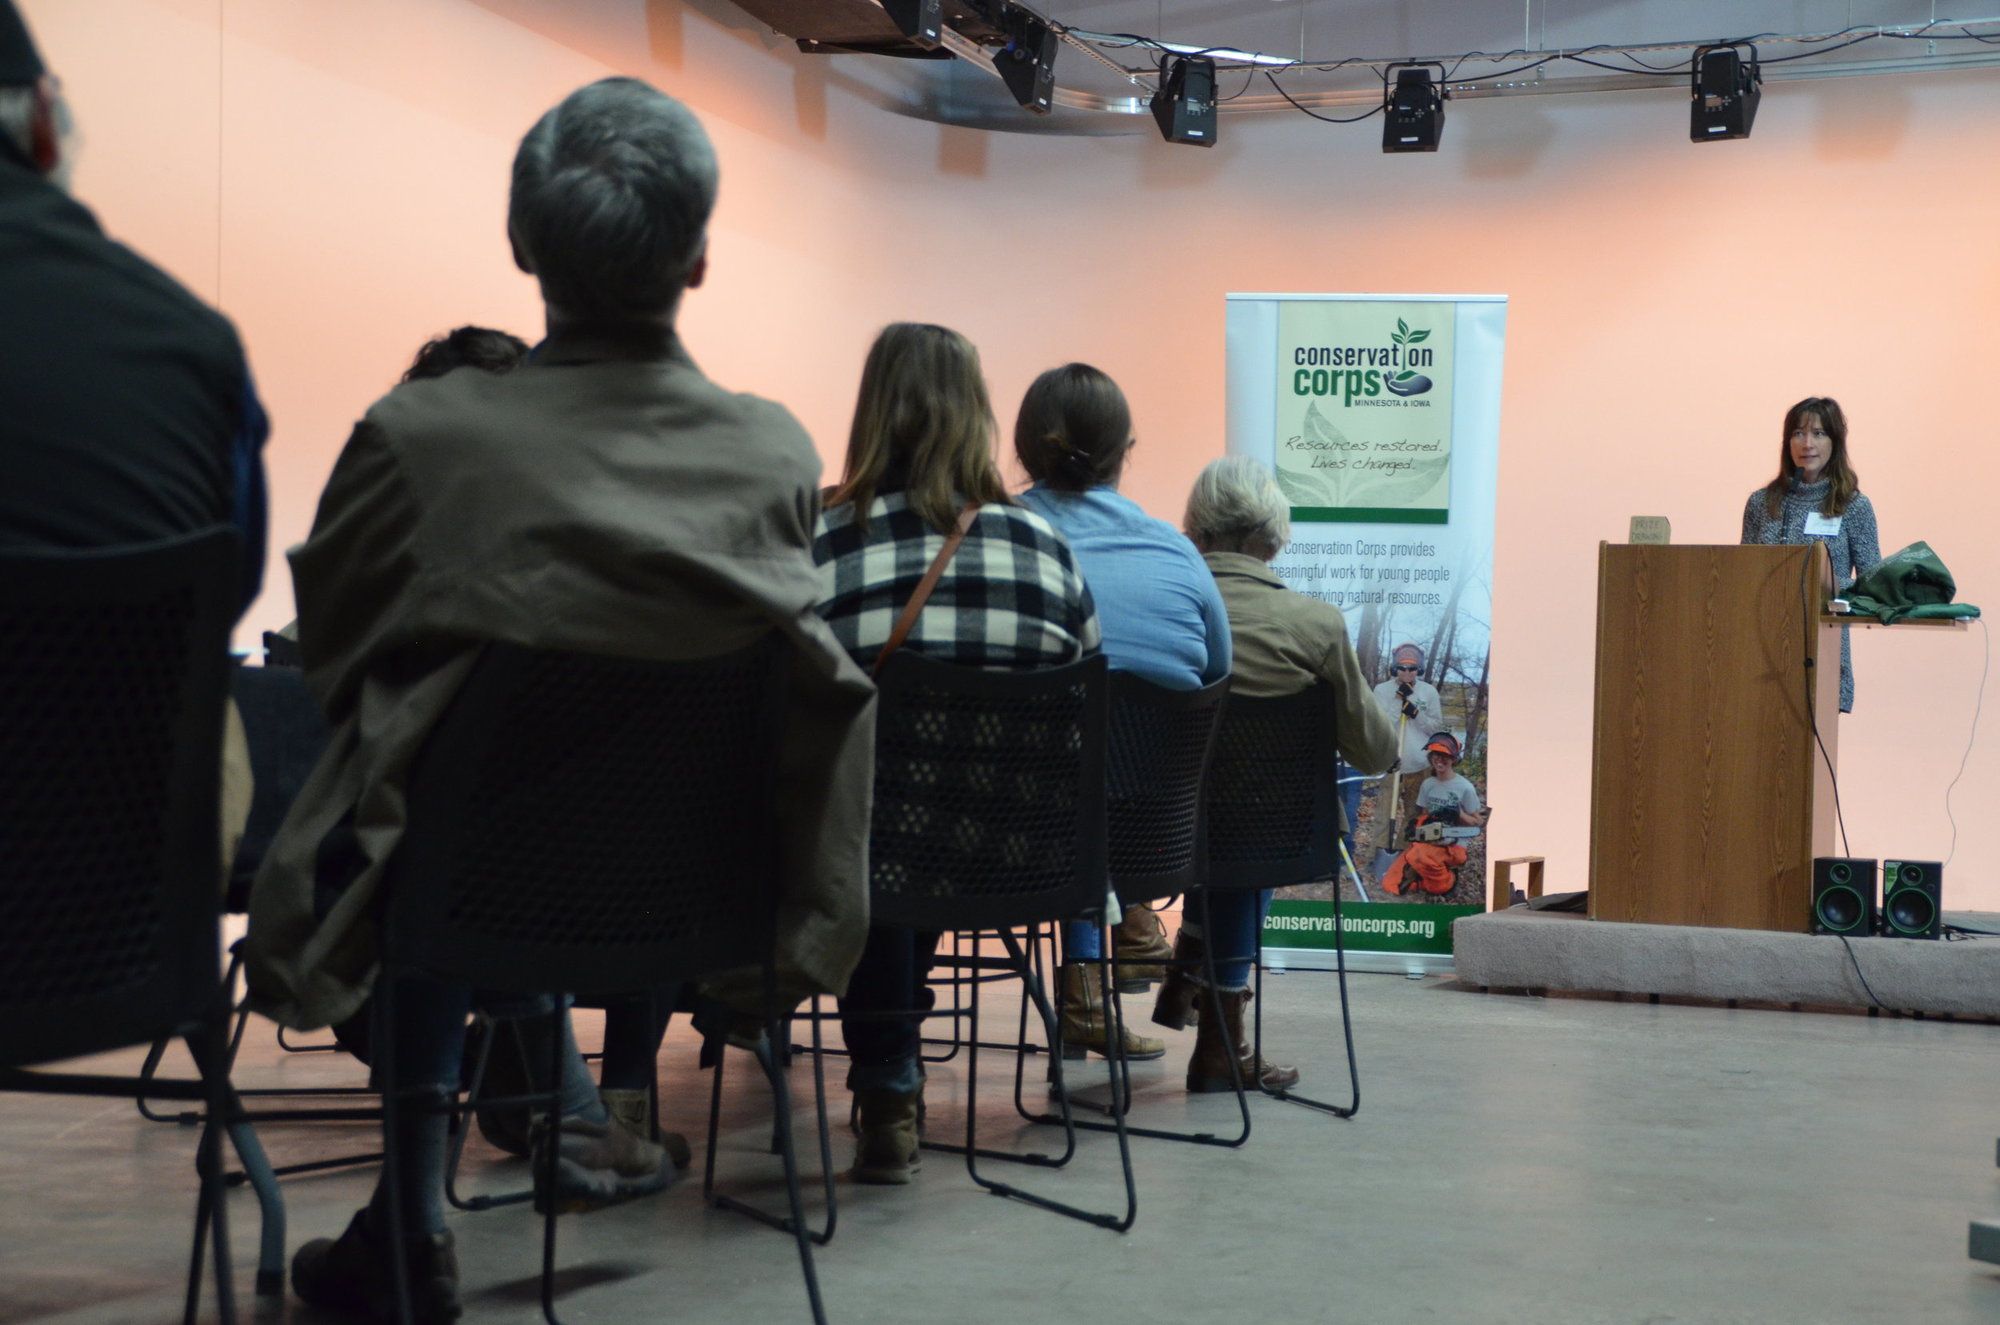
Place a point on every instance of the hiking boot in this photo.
(1140, 943)
(599, 1164)
(1208, 1068)
(1085, 1026)
(633, 1109)
(354, 1273)
(888, 1155)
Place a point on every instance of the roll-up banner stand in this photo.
(1381, 416)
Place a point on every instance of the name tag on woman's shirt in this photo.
(1822, 526)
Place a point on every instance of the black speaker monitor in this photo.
(1843, 896)
(1912, 899)
(1184, 106)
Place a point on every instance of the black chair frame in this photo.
(1274, 821)
(115, 668)
(469, 903)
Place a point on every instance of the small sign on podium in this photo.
(1652, 529)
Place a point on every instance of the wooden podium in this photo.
(1709, 795)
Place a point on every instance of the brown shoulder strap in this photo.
(908, 620)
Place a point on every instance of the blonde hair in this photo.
(923, 423)
(1236, 507)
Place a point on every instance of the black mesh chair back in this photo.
(593, 824)
(1273, 804)
(989, 794)
(1155, 819)
(287, 734)
(113, 671)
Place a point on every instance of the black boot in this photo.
(1176, 1003)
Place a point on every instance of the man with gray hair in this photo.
(603, 497)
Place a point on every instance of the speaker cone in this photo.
(1911, 911)
(1840, 909)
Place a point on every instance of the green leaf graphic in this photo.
(1416, 336)
(1402, 326)
(1403, 376)
(1304, 489)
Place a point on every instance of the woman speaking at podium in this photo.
(1816, 499)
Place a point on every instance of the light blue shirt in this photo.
(1157, 603)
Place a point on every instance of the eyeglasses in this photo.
(1406, 667)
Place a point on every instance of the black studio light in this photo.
(1184, 105)
(1727, 88)
(1027, 62)
(1412, 109)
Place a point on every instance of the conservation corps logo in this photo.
(1361, 374)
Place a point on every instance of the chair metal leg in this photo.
(291, 1048)
(1353, 1106)
(782, 1145)
(1120, 1103)
(781, 1104)
(464, 1128)
(210, 1050)
(384, 1039)
(558, 1017)
(972, 1151)
(1019, 967)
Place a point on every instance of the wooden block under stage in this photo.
(1709, 797)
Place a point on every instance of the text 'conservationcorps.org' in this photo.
(1355, 925)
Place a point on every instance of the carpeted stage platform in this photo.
(1522, 949)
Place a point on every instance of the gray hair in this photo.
(611, 197)
(1236, 506)
(18, 104)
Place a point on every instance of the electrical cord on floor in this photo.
(1811, 619)
(1857, 971)
(1953, 933)
(1978, 702)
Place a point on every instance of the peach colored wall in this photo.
(334, 176)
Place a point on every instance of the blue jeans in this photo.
(891, 978)
(1235, 931)
(1083, 940)
(1350, 804)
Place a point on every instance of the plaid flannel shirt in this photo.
(1011, 596)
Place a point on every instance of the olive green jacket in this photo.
(1284, 642)
(604, 497)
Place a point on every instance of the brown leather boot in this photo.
(1140, 942)
(1178, 1001)
(1085, 1026)
(1208, 1069)
(888, 1155)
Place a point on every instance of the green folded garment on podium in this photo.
(1910, 585)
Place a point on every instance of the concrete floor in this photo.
(1516, 1159)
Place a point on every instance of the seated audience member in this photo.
(1158, 607)
(1283, 642)
(129, 413)
(463, 347)
(603, 497)
(921, 451)
(633, 1028)
(467, 347)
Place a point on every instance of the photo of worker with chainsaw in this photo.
(1448, 814)
(1413, 705)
